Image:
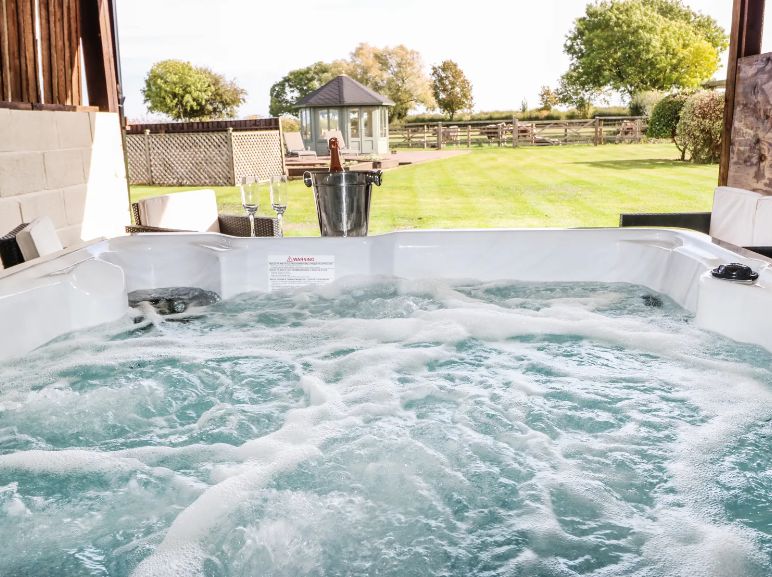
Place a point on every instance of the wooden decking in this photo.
(297, 166)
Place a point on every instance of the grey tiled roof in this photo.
(343, 91)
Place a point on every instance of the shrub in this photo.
(664, 119)
(700, 126)
(289, 123)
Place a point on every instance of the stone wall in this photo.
(66, 165)
(750, 156)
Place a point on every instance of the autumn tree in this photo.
(186, 92)
(630, 46)
(548, 98)
(396, 72)
(451, 88)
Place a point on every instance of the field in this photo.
(570, 186)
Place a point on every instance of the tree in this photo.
(701, 126)
(394, 72)
(632, 46)
(451, 88)
(298, 83)
(570, 92)
(548, 98)
(187, 92)
(664, 119)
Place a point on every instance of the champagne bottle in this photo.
(335, 164)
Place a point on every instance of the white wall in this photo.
(66, 165)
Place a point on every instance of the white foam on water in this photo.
(511, 411)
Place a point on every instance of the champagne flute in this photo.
(279, 198)
(250, 197)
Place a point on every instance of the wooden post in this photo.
(469, 136)
(230, 156)
(533, 133)
(744, 40)
(439, 136)
(596, 138)
(601, 138)
(148, 162)
(99, 54)
(426, 136)
(515, 132)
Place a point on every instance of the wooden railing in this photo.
(599, 130)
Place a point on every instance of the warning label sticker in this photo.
(292, 271)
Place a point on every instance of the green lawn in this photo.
(566, 186)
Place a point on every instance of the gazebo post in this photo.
(744, 40)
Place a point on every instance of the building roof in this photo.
(343, 91)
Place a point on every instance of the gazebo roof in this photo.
(343, 91)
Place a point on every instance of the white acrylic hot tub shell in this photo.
(89, 286)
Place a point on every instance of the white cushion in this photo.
(734, 215)
(762, 226)
(191, 210)
(38, 239)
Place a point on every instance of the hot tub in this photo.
(541, 402)
(89, 286)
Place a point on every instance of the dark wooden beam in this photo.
(99, 54)
(744, 40)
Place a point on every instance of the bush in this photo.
(289, 123)
(699, 129)
(664, 119)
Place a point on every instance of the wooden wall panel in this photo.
(28, 51)
(12, 55)
(750, 159)
(46, 68)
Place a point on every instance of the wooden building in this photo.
(61, 153)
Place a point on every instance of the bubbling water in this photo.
(391, 427)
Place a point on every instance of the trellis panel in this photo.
(257, 154)
(138, 156)
(203, 158)
(182, 159)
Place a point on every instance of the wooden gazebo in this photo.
(360, 114)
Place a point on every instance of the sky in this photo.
(507, 48)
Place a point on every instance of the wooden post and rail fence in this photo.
(515, 132)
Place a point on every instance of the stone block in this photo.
(28, 130)
(86, 154)
(21, 172)
(10, 215)
(75, 203)
(64, 168)
(69, 235)
(48, 203)
(73, 129)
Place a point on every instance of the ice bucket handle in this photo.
(307, 179)
(372, 177)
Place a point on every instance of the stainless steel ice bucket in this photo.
(343, 200)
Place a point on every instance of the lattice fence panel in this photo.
(202, 158)
(139, 170)
(257, 154)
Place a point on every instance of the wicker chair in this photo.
(231, 225)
